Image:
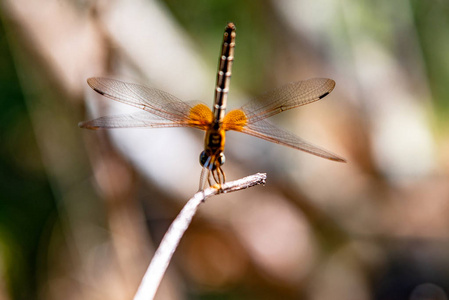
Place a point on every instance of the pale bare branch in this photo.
(164, 253)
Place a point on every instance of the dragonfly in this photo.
(161, 109)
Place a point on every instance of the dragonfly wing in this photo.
(269, 132)
(287, 97)
(139, 119)
(151, 100)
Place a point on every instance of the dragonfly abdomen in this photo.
(224, 73)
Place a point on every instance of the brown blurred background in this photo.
(81, 212)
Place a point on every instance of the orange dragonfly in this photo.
(160, 109)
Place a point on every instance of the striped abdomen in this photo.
(224, 74)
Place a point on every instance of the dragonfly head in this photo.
(211, 160)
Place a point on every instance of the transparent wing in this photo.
(287, 97)
(151, 100)
(270, 132)
(139, 119)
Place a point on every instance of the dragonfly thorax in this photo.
(214, 140)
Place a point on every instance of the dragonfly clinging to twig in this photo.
(161, 109)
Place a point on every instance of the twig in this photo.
(162, 257)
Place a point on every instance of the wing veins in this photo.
(286, 97)
(272, 133)
(135, 120)
(113, 89)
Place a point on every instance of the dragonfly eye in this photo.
(206, 160)
(203, 158)
(221, 159)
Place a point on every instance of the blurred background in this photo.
(81, 212)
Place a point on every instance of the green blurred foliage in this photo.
(432, 25)
(26, 200)
(203, 19)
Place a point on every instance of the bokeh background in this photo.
(81, 212)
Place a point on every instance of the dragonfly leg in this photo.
(211, 171)
(209, 177)
(212, 167)
(219, 175)
(205, 175)
(216, 176)
(203, 179)
(223, 176)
